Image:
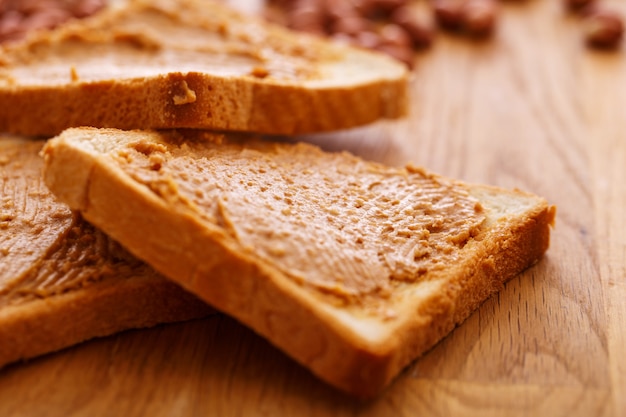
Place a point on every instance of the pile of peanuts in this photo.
(17, 17)
(390, 26)
(603, 28)
(395, 27)
(399, 27)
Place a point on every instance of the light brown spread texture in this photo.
(153, 38)
(332, 222)
(45, 250)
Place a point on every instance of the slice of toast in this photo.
(61, 280)
(351, 267)
(194, 64)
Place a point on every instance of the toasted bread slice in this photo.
(351, 267)
(194, 64)
(61, 280)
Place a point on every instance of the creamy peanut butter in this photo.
(346, 228)
(161, 37)
(44, 248)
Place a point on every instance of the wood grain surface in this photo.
(533, 109)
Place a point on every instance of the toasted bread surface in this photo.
(194, 64)
(351, 267)
(61, 280)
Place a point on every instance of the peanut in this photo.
(350, 25)
(393, 34)
(603, 29)
(578, 5)
(337, 10)
(448, 13)
(86, 8)
(11, 27)
(478, 17)
(385, 7)
(368, 39)
(419, 29)
(17, 17)
(46, 18)
(307, 18)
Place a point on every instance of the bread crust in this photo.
(358, 355)
(221, 104)
(336, 97)
(54, 323)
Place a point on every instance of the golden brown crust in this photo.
(239, 105)
(346, 347)
(62, 281)
(498, 256)
(55, 80)
(53, 323)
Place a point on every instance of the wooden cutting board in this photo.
(533, 109)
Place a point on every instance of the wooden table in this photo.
(534, 110)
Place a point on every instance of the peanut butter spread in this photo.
(350, 229)
(44, 248)
(152, 38)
